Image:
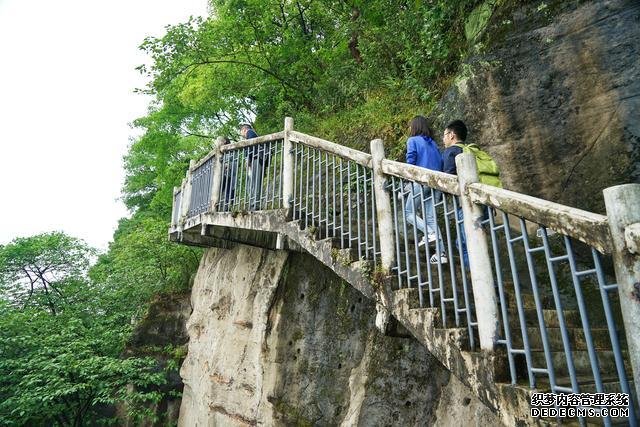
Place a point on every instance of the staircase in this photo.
(328, 200)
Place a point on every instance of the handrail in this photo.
(588, 227)
(359, 157)
(434, 179)
(253, 141)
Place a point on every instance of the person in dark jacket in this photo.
(422, 151)
(255, 161)
(455, 134)
(229, 174)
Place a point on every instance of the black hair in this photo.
(459, 128)
(420, 126)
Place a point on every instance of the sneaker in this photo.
(442, 259)
(430, 238)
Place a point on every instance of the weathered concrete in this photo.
(287, 164)
(588, 227)
(623, 209)
(359, 157)
(434, 179)
(484, 293)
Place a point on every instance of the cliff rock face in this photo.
(161, 329)
(555, 96)
(278, 339)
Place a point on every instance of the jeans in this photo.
(419, 194)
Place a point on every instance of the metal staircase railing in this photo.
(534, 286)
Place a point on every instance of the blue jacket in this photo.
(422, 151)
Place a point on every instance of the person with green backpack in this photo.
(455, 136)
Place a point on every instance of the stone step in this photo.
(458, 337)
(600, 336)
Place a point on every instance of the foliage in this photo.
(141, 254)
(39, 270)
(60, 360)
(304, 58)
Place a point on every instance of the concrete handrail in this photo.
(253, 141)
(588, 227)
(359, 157)
(434, 179)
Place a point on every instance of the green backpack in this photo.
(488, 171)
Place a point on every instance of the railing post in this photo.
(186, 195)
(484, 293)
(175, 209)
(385, 229)
(217, 174)
(287, 165)
(383, 207)
(623, 212)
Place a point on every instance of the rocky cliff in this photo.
(277, 339)
(553, 92)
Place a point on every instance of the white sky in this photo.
(67, 74)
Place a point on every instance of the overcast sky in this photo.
(67, 74)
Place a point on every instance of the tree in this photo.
(62, 338)
(36, 270)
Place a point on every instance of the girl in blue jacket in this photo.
(422, 151)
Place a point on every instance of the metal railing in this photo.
(427, 228)
(333, 197)
(201, 181)
(251, 177)
(525, 277)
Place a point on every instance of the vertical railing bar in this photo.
(326, 174)
(350, 240)
(561, 320)
(439, 251)
(416, 249)
(538, 303)
(516, 288)
(374, 218)
(427, 250)
(593, 359)
(224, 183)
(334, 205)
(294, 147)
(463, 273)
(318, 161)
(503, 301)
(366, 213)
(273, 167)
(396, 227)
(358, 222)
(613, 335)
(342, 230)
(452, 269)
(406, 243)
(306, 201)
